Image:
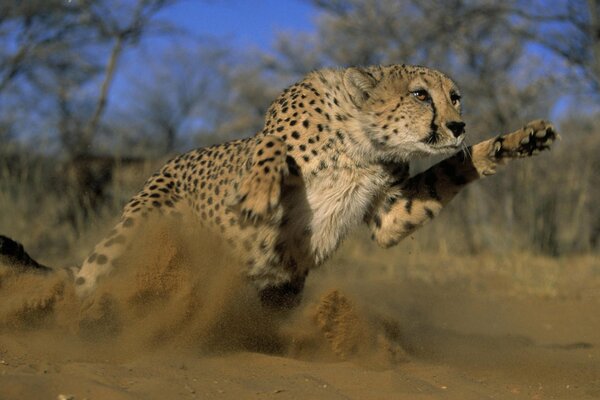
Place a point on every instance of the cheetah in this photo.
(334, 153)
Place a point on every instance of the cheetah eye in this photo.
(455, 98)
(421, 95)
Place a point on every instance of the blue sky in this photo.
(250, 23)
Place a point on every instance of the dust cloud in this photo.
(182, 289)
(177, 319)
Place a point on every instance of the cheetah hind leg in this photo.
(259, 191)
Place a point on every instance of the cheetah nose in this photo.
(456, 127)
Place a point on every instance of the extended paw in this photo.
(259, 191)
(533, 138)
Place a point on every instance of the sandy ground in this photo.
(163, 330)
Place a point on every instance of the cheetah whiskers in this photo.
(466, 152)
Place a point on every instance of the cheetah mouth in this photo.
(448, 144)
(441, 142)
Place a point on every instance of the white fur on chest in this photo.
(339, 201)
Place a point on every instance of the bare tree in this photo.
(57, 48)
(570, 30)
(177, 99)
(120, 29)
(34, 32)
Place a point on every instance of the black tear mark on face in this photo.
(433, 137)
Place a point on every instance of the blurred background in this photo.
(96, 94)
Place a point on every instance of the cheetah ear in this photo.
(359, 84)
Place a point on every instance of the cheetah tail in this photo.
(13, 254)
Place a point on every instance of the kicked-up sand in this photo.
(177, 321)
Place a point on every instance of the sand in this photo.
(178, 321)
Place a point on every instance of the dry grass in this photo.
(496, 274)
(41, 207)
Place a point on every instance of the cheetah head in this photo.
(405, 111)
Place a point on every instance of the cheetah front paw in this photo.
(528, 141)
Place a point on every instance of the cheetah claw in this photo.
(532, 139)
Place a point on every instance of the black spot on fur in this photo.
(409, 226)
(377, 220)
(408, 205)
(429, 213)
